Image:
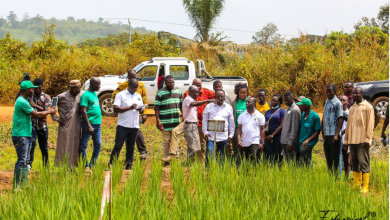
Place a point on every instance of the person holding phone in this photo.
(127, 104)
(21, 132)
(40, 101)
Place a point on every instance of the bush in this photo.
(303, 68)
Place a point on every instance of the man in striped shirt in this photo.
(167, 107)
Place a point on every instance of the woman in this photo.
(273, 128)
(239, 106)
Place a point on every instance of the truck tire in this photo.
(381, 104)
(106, 105)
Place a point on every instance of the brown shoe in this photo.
(169, 158)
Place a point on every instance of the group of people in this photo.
(249, 126)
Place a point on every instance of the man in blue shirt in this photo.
(310, 127)
(331, 125)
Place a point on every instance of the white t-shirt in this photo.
(251, 127)
(128, 119)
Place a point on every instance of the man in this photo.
(218, 111)
(358, 136)
(167, 109)
(21, 131)
(204, 94)
(190, 119)
(348, 87)
(128, 105)
(385, 124)
(332, 123)
(217, 85)
(290, 128)
(310, 128)
(68, 139)
(250, 132)
(40, 101)
(140, 141)
(92, 120)
(262, 106)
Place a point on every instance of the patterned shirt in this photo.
(169, 103)
(204, 94)
(333, 110)
(43, 100)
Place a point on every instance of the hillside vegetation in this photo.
(304, 68)
(71, 30)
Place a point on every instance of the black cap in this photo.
(38, 81)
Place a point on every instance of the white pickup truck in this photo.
(182, 69)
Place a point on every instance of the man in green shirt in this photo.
(310, 128)
(21, 131)
(91, 121)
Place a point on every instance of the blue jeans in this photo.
(221, 145)
(41, 136)
(341, 163)
(96, 137)
(21, 145)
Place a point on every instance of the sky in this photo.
(290, 16)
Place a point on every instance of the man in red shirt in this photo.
(204, 94)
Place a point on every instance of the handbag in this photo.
(267, 123)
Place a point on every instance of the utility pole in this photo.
(129, 31)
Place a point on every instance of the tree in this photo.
(203, 14)
(2, 22)
(383, 18)
(12, 16)
(268, 35)
(101, 20)
(365, 22)
(70, 18)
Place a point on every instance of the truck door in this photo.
(181, 75)
(148, 75)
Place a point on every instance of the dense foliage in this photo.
(303, 67)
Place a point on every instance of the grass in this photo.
(218, 192)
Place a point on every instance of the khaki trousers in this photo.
(176, 132)
(166, 142)
(191, 134)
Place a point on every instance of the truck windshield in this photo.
(135, 68)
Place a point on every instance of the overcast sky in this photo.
(311, 16)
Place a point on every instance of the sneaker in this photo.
(29, 167)
(143, 156)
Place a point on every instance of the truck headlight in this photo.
(365, 87)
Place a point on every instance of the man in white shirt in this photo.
(250, 132)
(219, 111)
(190, 119)
(128, 104)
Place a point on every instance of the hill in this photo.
(70, 30)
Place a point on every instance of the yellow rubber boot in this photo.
(357, 180)
(366, 181)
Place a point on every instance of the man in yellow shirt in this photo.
(358, 135)
(262, 106)
(142, 91)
